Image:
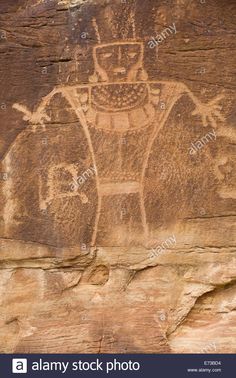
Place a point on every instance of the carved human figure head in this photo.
(118, 62)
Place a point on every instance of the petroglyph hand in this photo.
(210, 111)
(36, 119)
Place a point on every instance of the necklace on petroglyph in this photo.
(121, 107)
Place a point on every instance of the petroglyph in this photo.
(118, 102)
(121, 101)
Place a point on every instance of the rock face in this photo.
(117, 207)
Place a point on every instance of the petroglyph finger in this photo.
(217, 99)
(212, 121)
(219, 115)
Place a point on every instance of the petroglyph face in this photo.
(118, 62)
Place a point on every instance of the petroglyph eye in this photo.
(132, 55)
(106, 55)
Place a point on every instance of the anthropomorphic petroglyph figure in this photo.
(121, 113)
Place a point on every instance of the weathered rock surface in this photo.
(117, 207)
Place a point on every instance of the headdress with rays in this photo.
(120, 33)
